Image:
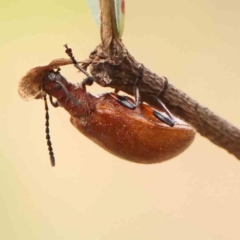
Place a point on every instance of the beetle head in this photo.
(54, 84)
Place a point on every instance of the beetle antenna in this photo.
(49, 143)
(68, 51)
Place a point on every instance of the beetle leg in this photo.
(54, 104)
(136, 92)
(164, 119)
(168, 120)
(124, 101)
(89, 80)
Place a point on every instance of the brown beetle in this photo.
(135, 132)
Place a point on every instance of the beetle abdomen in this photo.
(134, 135)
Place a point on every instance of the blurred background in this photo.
(91, 194)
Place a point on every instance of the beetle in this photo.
(128, 129)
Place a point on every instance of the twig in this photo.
(113, 66)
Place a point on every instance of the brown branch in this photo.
(113, 66)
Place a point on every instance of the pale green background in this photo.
(91, 194)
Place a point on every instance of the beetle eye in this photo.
(52, 76)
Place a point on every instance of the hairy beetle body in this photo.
(135, 135)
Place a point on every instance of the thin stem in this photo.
(108, 23)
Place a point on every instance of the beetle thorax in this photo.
(78, 102)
